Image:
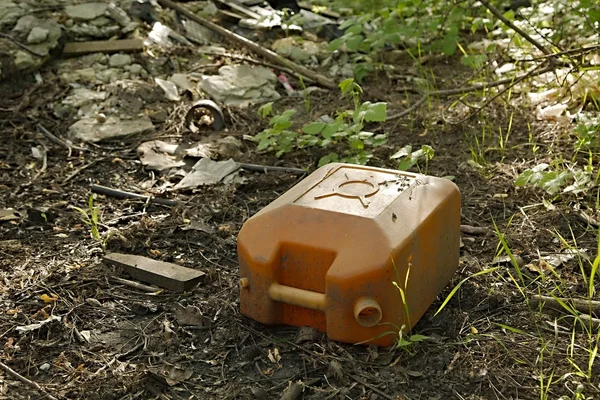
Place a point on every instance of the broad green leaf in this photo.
(335, 44)
(265, 109)
(353, 42)
(329, 158)
(314, 128)
(418, 338)
(376, 112)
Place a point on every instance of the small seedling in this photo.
(91, 218)
(408, 158)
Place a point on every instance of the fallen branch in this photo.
(468, 89)
(408, 110)
(266, 168)
(586, 306)
(78, 170)
(135, 285)
(21, 45)
(508, 23)
(473, 230)
(56, 140)
(253, 61)
(26, 381)
(119, 194)
(256, 48)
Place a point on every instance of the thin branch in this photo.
(26, 381)
(256, 48)
(21, 45)
(408, 110)
(581, 305)
(508, 23)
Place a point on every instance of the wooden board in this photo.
(103, 46)
(163, 274)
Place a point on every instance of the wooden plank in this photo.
(167, 275)
(103, 46)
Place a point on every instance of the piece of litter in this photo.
(208, 172)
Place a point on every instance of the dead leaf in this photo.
(33, 327)
(306, 334)
(540, 267)
(49, 299)
(173, 374)
(190, 315)
(274, 356)
(9, 214)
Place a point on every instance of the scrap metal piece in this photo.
(204, 112)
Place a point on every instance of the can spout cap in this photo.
(367, 312)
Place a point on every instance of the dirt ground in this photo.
(115, 342)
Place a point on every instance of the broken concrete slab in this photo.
(86, 11)
(82, 96)
(10, 12)
(241, 85)
(91, 130)
(119, 60)
(167, 275)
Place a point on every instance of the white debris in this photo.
(241, 85)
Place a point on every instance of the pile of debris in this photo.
(127, 63)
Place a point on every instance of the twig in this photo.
(235, 38)
(578, 304)
(252, 60)
(267, 168)
(44, 163)
(77, 171)
(577, 51)
(21, 45)
(135, 285)
(512, 84)
(56, 140)
(473, 230)
(508, 23)
(373, 388)
(408, 110)
(26, 381)
(119, 194)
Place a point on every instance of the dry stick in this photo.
(78, 170)
(513, 83)
(473, 230)
(21, 45)
(26, 381)
(235, 38)
(467, 89)
(578, 304)
(252, 60)
(521, 32)
(266, 168)
(120, 194)
(408, 110)
(135, 285)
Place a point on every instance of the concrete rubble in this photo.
(121, 64)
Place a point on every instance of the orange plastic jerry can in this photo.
(341, 249)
